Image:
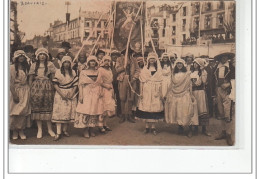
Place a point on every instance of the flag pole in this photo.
(84, 42)
(142, 37)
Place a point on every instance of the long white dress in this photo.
(87, 112)
(21, 110)
(64, 110)
(166, 72)
(150, 104)
(108, 99)
(179, 108)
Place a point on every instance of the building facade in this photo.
(80, 28)
(191, 23)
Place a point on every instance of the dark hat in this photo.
(204, 56)
(65, 44)
(100, 51)
(230, 55)
(28, 48)
(124, 51)
(115, 52)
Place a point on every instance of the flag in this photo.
(126, 16)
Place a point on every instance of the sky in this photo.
(35, 19)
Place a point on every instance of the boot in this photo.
(123, 119)
(190, 132)
(230, 142)
(180, 130)
(130, 119)
(147, 130)
(223, 135)
(205, 132)
(154, 132)
(196, 130)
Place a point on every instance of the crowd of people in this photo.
(92, 88)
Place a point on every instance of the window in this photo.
(98, 32)
(184, 11)
(173, 17)
(87, 24)
(99, 25)
(173, 41)
(173, 30)
(183, 24)
(220, 20)
(154, 23)
(184, 37)
(197, 8)
(208, 22)
(86, 34)
(196, 23)
(163, 32)
(208, 6)
(221, 5)
(164, 23)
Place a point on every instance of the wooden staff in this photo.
(114, 23)
(142, 37)
(99, 36)
(85, 41)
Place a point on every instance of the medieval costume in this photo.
(179, 108)
(19, 94)
(57, 60)
(150, 104)
(42, 91)
(108, 98)
(89, 106)
(199, 80)
(65, 100)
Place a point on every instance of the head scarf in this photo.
(201, 62)
(165, 55)
(41, 50)
(19, 53)
(145, 74)
(106, 57)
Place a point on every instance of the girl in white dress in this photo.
(150, 105)
(89, 106)
(106, 79)
(19, 94)
(179, 107)
(65, 101)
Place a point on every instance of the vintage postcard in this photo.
(122, 73)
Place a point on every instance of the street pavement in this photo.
(127, 134)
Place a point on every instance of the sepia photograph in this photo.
(122, 73)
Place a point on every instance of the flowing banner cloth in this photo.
(126, 16)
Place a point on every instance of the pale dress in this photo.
(166, 72)
(108, 99)
(150, 104)
(87, 112)
(20, 111)
(64, 110)
(179, 108)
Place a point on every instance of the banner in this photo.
(126, 16)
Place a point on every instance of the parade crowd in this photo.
(182, 90)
